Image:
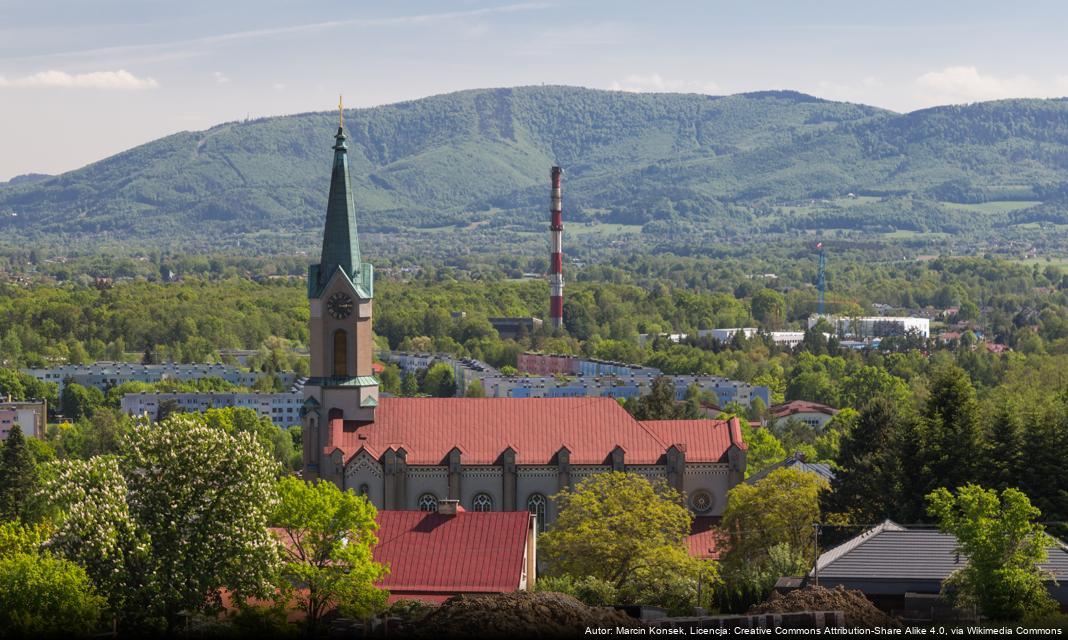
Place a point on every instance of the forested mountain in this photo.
(768, 161)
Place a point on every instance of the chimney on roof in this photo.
(448, 507)
(556, 257)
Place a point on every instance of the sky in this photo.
(81, 80)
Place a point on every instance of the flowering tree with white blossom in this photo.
(179, 517)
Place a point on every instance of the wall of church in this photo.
(540, 479)
(422, 480)
(711, 478)
(476, 480)
(365, 471)
(707, 479)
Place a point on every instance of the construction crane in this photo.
(821, 277)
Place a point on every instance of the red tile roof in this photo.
(535, 428)
(800, 406)
(701, 439)
(471, 552)
(706, 540)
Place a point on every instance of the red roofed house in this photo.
(490, 454)
(433, 556)
(813, 414)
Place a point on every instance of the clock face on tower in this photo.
(339, 305)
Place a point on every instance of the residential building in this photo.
(593, 378)
(813, 414)
(282, 408)
(104, 375)
(889, 562)
(30, 415)
(434, 556)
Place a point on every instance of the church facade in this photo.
(489, 454)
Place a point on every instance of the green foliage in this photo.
(440, 381)
(233, 420)
(770, 527)
(769, 308)
(327, 537)
(1004, 546)
(41, 595)
(18, 475)
(78, 402)
(869, 482)
(660, 404)
(764, 449)
(779, 508)
(596, 592)
(628, 532)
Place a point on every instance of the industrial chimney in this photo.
(556, 258)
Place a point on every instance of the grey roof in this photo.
(890, 551)
(796, 461)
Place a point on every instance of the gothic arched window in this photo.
(482, 502)
(341, 353)
(428, 502)
(536, 505)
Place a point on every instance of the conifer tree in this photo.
(951, 444)
(18, 475)
(868, 484)
(1005, 447)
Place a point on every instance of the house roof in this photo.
(890, 551)
(536, 429)
(470, 552)
(793, 407)
(706, 540)
(795, 461)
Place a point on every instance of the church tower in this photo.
(342, 387)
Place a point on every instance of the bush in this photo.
(43, 595)
(590, 590)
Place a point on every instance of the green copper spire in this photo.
(341, 243)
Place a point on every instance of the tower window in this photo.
(341, 353)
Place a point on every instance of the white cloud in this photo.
(278, 86)
(657, 83)
(220, 77)
(966, 84)
(52, 78)
(196, 46)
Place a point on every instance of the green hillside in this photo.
(762, 162)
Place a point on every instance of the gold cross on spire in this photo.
(340, 112)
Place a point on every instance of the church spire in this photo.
(341, 246)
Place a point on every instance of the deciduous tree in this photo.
(631, 532)
(327, 536)
(1004, 546)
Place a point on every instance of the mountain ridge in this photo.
(472, 156)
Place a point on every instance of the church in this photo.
(488, 454)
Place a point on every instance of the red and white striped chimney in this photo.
(556, 258)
